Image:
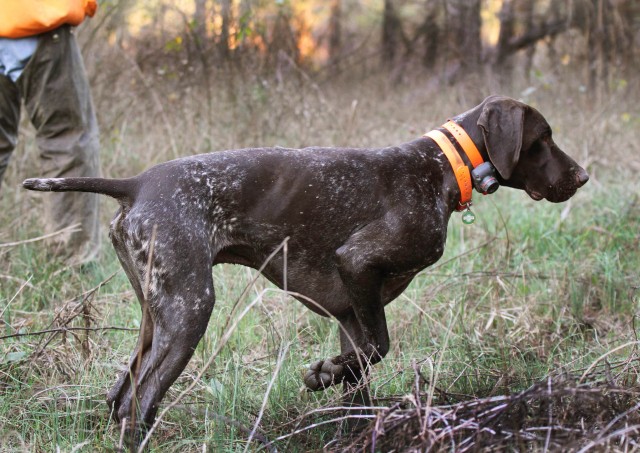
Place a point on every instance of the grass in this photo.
(528, 290)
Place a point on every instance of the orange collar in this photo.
(460, 169)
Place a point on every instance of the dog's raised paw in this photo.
(323, 374)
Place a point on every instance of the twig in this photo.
(549, 422)
(235, 423)
(281, 355)
(604, 356)
(69, 229)
(436, 370)
(620, 432)
(80, 446)
(14, 296)
(9, 277)
(84, 296)
(460, 255)
(66, 329)
(325, 422)
(123, 430)
(616, 420)
(254, 279)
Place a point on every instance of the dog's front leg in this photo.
(355, 391)
(366, 338)
(350, 337)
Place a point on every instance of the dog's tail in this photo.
(120, 189)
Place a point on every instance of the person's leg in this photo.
(9, 119)
(56, 94)
(14, 55)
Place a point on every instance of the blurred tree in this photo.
(225, 25)
(199, 21)
(608, 25)
(283, 37)
(391, 33)
(432, 37)
(463, 33)
(335, 32)
(600, 37)
(527, 8)
(507, 30)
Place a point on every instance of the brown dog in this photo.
(361, 224)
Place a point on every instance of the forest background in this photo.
(523, 336)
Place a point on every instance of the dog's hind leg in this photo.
(179, 322)
(119, 238)
(179, 303)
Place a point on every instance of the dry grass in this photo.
(477, 339)
(563, 412)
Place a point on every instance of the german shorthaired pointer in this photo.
(361, 224)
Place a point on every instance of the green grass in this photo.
(529, 289)
(511, 301)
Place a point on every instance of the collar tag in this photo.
(468, 217)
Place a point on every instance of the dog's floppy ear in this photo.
(502, 124)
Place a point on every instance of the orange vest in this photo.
(21, 18)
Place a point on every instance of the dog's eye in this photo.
(537, 147)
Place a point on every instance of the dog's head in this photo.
(519, 144)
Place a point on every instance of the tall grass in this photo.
(529, 289)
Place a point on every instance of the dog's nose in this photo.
(581, 177)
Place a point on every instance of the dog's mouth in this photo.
(537, 196)
(556, 194)
(561, 194)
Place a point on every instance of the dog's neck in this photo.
(463, 156)
(469, 122)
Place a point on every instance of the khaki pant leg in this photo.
(9, 120)
(56, 95)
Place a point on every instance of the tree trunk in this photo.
(555, 14)
(527, 7)
(464, 23)
(335, 32)
(432, 42)
(244, 22)
(200, 22)
(391, 33)
(507, 30)
(225, 15)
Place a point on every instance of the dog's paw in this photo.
(323, 374)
